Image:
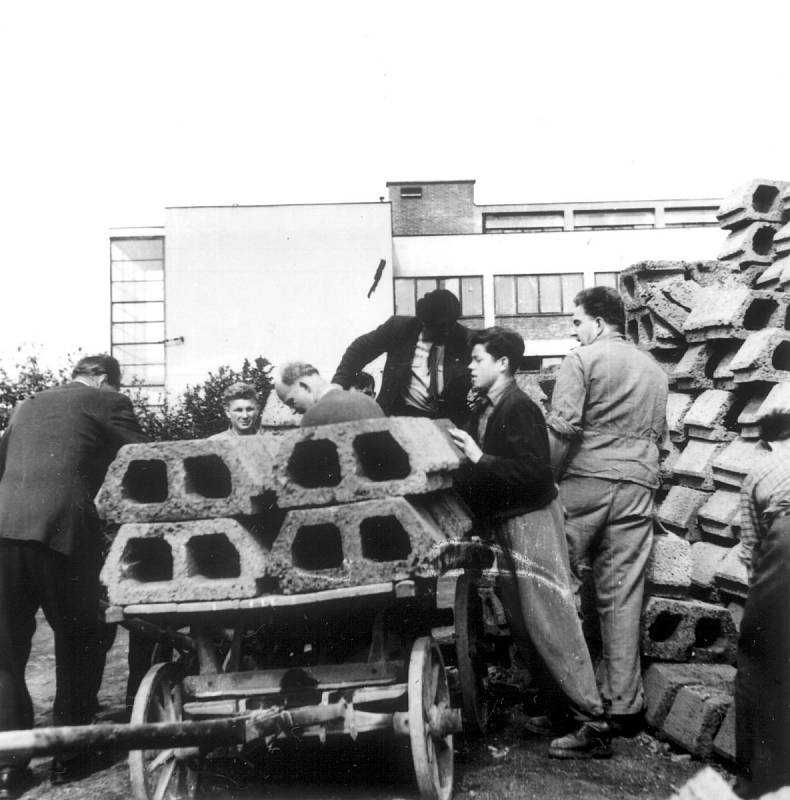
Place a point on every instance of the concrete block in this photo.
(662, 682)
(782, 264)
(669, 313)
(368, 542)
(752, 246)
(208, 559)
(687, 630)
(782, 240)
(705, 560)
(734, 313)
(638, 282)
(695, 718)
(683, 292)
(735, 607)
(724, 741)
(736, 461)
(764, 356)
(691, 371)
(724, 352)
(678, 511)
(732, 578)
(363, 460)
(650, 332)
(668, 461)
(755, 201)
(678, 404)
(196, 479)
(669, 566)
(719, 517)
(694, 467)
(707, 784)
(748, 418)
(711, 415)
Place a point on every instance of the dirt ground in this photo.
(506, 765)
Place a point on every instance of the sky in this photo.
(113, 111)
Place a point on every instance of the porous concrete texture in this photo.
(732, 577)
(695, 718)
(723, 377)
(724, 741)
(687, 630)
(752, 411)
(708, 416)
(735, 312)
(705, 560)
(367, 542)
(663, 681)
(764, 356)
(694, 467)
(736, 461)
(777, 399)
(669, 566)
(707, 784)
(639, 281)
(210, 559)
(690, 371)
(719, 517)
(755, 201)
(196, 479)
(353, 461)
(750, 246)
(678, 404)
(678, 511)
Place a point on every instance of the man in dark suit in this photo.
(508, 484)
(425, 373)
(53, 458)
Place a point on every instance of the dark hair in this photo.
(364, 381)
(240, 391)
(99, 365)
(775, 426)
(501, 342)
(293, 370)
(437, 307)
(603, 302)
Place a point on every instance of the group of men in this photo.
(562, 497)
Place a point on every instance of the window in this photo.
(469, 290)
(610, 279)
(411, 191)
(516, 295)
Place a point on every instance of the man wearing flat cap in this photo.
(425, 374)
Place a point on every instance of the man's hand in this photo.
(464, 441)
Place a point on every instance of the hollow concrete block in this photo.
(667, 463)
(695, 718)
(170, 481)
(719, 517)
(763, 356)
(639, 281)
(691, 371)
(708, 416)
(669, 566)
(732, 577)
(694, 467)
(755, 201)
(353, 461)
(724, 741)
(662, 682)
(736, 461)
(367, 542)
(678, 511)
(750, 246)
(705, 560)
(678, 404)
(209, 559)
(752, 411)
(734, 313)
(687, 630)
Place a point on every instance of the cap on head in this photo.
(438, 307)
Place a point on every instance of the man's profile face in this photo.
(586, 329)
(484, 369)
(243, 416)
(297, 396)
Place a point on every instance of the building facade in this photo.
(215, 285)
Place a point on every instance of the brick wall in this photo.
(441, 208)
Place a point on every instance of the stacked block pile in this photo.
(318, 508)
(721, 330)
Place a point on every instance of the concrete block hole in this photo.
(707, 632)
(314, 463)
(384, 539)
(207, 476)
(781, 357)
(764, 197)
(147, 560)
(317, 547)
(763, 240)
(380, 457)
(664, 626)
(759, 313)
(145, 481)
(212, 556)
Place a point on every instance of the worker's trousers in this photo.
(609, 525)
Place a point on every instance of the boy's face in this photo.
(484, 368)
(243, 415)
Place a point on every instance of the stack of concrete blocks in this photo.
(721, 331)
(314, 509)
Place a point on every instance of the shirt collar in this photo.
(495, 393)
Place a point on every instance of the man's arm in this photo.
(361, 352)
(566, 418)
(750, 522)
(122, 423)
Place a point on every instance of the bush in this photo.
(27, 378)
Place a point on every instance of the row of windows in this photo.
(514, 295)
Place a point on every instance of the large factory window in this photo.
(516, 295)
(468, 289)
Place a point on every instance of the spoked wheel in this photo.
(161, 774)
(472, 666)
(429, 696)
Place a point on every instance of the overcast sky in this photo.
(113, 111)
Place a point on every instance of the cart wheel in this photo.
(160, 774)
(472, 667)
(431, 753)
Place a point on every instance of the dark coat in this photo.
(53, 459)
(514, 474)
(397, 337)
